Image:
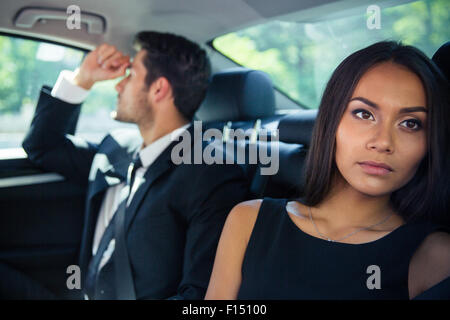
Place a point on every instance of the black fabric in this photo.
(238, 94)
(16, 285)
(94, 263)
(283, 262)
(171, 231)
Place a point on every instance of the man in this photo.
(151, 229)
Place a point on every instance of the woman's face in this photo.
(384, 125)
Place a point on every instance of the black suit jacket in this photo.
(174, 220)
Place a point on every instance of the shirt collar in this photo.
(149, 154)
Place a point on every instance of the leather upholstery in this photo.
(238, 94)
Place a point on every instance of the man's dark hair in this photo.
(182, 62)
(426, 195)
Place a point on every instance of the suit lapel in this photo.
(162, 164)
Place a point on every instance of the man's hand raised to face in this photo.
(104, 63)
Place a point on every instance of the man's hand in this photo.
(104, 63)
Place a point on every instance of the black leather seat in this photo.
(288, 181)
(297, 127)
(238, 97)
(294, 140)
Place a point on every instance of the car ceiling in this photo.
(199, 20)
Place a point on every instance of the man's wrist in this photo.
(80, 81)
(66, 90)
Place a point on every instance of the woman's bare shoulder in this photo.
(430, 263)
(297, 208)
(434, 249)
(248, 207)
(226, 275)
(243, 216)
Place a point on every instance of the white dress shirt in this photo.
(67, 91)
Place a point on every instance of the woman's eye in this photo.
(411, 124)
(363, 114)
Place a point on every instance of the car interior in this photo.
(40, 220)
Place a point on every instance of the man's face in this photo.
(133, 105)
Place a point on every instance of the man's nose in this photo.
(382, 140)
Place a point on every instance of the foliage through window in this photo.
(25, 66)
(300, 56)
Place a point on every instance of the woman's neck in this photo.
(349, 207)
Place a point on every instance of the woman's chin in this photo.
(373, 191)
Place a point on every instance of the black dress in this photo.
(283, 262)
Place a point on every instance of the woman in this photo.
(375, 187)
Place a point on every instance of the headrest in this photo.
(442, 59)
(289, 181)
(238, 94)
(297, 127)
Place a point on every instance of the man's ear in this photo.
(160, 90)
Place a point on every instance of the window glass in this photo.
(95, 119)
(300, 56)
(25, 66)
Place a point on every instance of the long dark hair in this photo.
(426, 195)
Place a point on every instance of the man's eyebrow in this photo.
(402, 110)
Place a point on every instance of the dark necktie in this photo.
(122, 267)
(121, 262)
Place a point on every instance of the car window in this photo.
(300, 56)
(26, 65)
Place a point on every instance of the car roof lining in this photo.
(198, 20)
